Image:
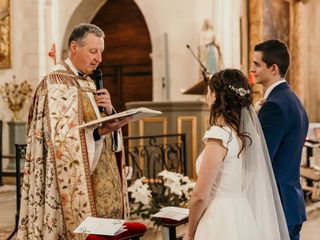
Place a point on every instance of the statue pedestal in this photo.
(17, 135)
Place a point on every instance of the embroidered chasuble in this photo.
(63, 183)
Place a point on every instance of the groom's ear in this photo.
(275, 69)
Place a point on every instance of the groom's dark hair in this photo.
(275, 52)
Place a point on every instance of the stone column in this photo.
(295, 46)
(255, 25)
(294, 71)
(278, 20)
(255, 36)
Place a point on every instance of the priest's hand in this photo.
(111, 126)
(103, 99)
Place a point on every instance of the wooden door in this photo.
(126, 66)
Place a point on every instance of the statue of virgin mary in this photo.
(209, 50)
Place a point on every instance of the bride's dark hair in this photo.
(233, 92)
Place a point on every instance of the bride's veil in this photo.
(259, 184)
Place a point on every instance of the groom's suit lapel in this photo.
(277, 89)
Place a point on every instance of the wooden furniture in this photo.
(313, 178)
(172, 225)
(312, 192)
(310, 173)
(200, 88)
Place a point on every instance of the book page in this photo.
(101, 226)
(136, 113)
(175, 213)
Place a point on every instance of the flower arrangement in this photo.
(16, 94)
(175, 190)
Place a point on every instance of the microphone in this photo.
(97, 77)
(205, 72)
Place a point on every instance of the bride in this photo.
(235, 197)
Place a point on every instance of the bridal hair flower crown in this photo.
(240, 91)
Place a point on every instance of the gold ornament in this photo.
(16, 95)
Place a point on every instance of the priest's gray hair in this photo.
(80, 32)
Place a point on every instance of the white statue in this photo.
(209, 49)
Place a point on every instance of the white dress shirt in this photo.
(269, 89)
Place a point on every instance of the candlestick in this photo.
(251, 78)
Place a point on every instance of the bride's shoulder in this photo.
(219, 132)
(224, 129)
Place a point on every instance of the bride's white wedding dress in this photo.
(244, 202)
(228, 215)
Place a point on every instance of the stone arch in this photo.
(85, 12)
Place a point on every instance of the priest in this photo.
(71, 173)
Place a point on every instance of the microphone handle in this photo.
(97, 77)
(204, 69)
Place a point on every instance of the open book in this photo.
(175, 213)
(136, 113)
(101, 226)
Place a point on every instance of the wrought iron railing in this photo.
(20, 156)
(148, 155)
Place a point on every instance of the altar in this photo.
(189, 117)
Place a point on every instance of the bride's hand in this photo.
(187, 237)
(258, 104)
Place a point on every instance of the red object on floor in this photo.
(134, 230)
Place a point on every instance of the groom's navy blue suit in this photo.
(285, 125)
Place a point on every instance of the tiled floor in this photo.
(7, 210)
(310, 230)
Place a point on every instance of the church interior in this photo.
(155, 57)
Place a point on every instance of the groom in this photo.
(285, 124)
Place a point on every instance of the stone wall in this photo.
(37, 24)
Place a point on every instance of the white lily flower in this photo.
(177, 191)
(140, 191)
